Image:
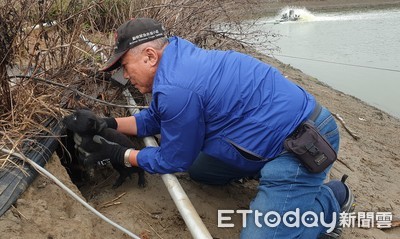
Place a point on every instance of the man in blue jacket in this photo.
(222, 116)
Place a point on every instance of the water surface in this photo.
(355, 52)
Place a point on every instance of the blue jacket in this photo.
(218, 102)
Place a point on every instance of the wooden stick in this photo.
(19, 213)
(355, 136)
(154, 230)
(345, 164)
(111, 204)
(115, 199)
(140, 208)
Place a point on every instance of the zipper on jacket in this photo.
(246, 153)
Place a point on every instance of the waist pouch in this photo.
(312, 149)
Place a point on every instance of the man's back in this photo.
(247, 102)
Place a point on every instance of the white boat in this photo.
(288, 16)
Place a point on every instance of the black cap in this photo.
(130, 34)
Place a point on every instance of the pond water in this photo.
(357, 53)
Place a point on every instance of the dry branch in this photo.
(345, 164)
(111, 204)
(78, 92)
(352, 134)
(52, 61)
(113, 201)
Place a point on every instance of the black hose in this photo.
(15, 180)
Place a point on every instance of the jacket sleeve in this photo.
(182, 131)
(148, 121)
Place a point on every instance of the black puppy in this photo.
(84, 123)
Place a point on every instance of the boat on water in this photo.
(288, 16)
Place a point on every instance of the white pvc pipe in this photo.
(185, 207)
(39, 25)
(178, 195)
(94, 48)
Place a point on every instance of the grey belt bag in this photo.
(311, 148)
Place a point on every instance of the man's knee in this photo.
(195, 174)
(281, 170)
(206, 178)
